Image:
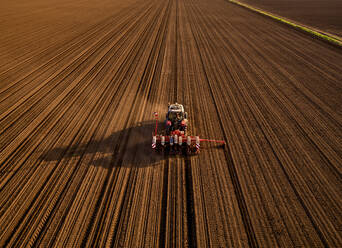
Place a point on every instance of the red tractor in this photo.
(175, 140)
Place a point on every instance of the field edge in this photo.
(329, 38)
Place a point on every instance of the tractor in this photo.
(175, 139)
(176, 119)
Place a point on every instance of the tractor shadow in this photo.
(128, 147)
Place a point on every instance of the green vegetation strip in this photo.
(319, 35)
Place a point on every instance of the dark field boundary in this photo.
(324, 15)
(334, 40)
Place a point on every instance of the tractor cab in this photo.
(176, 118)
(176, 112)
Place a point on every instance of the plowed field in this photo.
(324, 15)
(79, 82)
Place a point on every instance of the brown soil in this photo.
(79, 83)
(324, 15)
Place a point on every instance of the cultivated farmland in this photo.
(79, 82)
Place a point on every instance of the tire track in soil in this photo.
(149, 73)
(221, 21)
(127, 138)
(183, 165)
(252, 241)
(162, 233)
(172, 34)
(235, 179)
(190, 209)
(181, 95)
(113, 112)
(142, 80)
(170, 62)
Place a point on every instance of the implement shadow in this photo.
(128, 147)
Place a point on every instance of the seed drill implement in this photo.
(174, 139)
